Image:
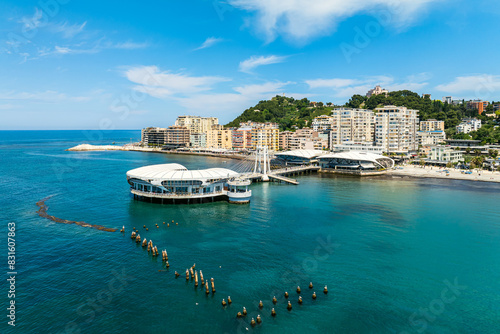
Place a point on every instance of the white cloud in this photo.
(164, 83)
(260, 90)
(249, 64)
(33, 22)
(127, 45)
(68, 30)
(210, 41)
(345, 88)
(229, 105)
(300, 20)
(96, 48)
(330, 83)
(48, 96)
(191, 92)
(480, 86)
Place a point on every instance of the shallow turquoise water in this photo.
(386, 248)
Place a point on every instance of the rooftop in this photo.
(308, 154)
(176, 172)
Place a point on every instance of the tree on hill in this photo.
(289, 112)
(286, 111)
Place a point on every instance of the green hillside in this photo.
(288, 112)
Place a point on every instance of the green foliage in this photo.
(286, 111)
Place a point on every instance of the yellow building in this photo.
(267, 135)
(218, 137)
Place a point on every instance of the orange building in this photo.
(478, 104)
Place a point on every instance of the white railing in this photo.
(239, 194)
(293, 169)
(176, 195)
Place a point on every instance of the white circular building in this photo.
(355, 162)
(174, 183)
(299, 157)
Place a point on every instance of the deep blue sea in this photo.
(398, 255)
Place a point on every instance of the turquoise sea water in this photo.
(398, 255)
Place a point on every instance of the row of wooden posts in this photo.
(191, 273)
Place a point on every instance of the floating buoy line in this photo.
(196, 277)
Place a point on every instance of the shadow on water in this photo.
(386, 215)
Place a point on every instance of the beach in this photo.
(445, 173)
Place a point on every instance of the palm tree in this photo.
(477, 161)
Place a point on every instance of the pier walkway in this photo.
(282, 174)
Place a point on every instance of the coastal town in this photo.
(393, 131)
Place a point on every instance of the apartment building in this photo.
(218, 137)
(242, 138)
(197, 124)
(426, 138)
(351, 125)
(480, 105)
(323, 123)
(198, 140)
(266, 134)
(307, 139)
(469, 124)
(432, 125)
(396, 129)
(174, 136)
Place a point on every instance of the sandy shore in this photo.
(439, 173)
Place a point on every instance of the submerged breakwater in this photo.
(42, 212)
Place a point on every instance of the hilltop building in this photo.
(447, 99)
(377, 91)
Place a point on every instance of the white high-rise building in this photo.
(197, 124)
(351, 125)
(396, 129)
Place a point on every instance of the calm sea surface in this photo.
(398, 256)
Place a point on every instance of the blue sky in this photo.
(124, 65)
